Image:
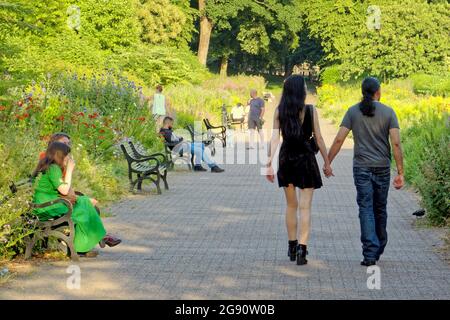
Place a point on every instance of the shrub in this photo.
(331, 75)
(431, 84)
(427, 164)
(15, 223)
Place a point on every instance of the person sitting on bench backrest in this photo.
(176, 144)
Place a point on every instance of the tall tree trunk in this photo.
(223, 66)
(205, 33)
(288, 68)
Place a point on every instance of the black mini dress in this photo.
(297, 164)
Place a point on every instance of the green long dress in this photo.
(89, 228)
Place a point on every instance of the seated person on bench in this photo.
(238, 113)
(176, 144)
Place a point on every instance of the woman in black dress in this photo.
(297, 165)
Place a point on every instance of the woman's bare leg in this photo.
(291, 212)
(306, 196)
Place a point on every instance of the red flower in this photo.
(60, 118)
(81, 114)
(142, 119)
(101, 137)
(101, 131)
(93, 126)
(85, 124)
(21, 117)
(2, 108)
(93, 116)
(20, 103)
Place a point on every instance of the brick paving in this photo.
(222, 236)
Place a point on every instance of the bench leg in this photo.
(68, 241)
(139, 182)
(132, 184)
(30, 245)
(164, 178)
(156, 182)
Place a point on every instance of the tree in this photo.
(412, 36)
(164, 22)
(113, 23)
(206, 26)
(254, 30)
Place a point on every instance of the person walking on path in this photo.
(255, 118)
(160, 105)
(372, 123)
(297, 165)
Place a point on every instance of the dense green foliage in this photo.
(389, 39)
(412, 36)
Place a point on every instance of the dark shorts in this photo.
(255, 124)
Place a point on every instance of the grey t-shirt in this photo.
(256, 106)
(371, 135)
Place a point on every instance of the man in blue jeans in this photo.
(372, 123)
(176, 144)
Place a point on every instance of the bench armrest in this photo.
(161, 155)
(53, 202)
(147, 159)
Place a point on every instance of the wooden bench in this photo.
(218, 132)
(152, 167)
(62, 228)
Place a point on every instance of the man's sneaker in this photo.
(368, 263)
(199, 168)
(217, 169)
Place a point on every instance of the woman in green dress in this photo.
(50, 184)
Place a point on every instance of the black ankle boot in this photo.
(301, 254)
(292, 249)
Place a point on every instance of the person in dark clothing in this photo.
(198, 149)
(372, 123)
(297, 165)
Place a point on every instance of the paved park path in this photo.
(222, 236)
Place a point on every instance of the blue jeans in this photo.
(199, 151)
(372, 187)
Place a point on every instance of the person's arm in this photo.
(399, 180)
(338, 142)
(64, 188)
(274, 142)
(321, 143)
(263, 110)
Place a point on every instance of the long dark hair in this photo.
(55, 154)
(291, 106)
(369, 87)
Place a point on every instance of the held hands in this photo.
(399, 181)
(327, 171)
(270, 175)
